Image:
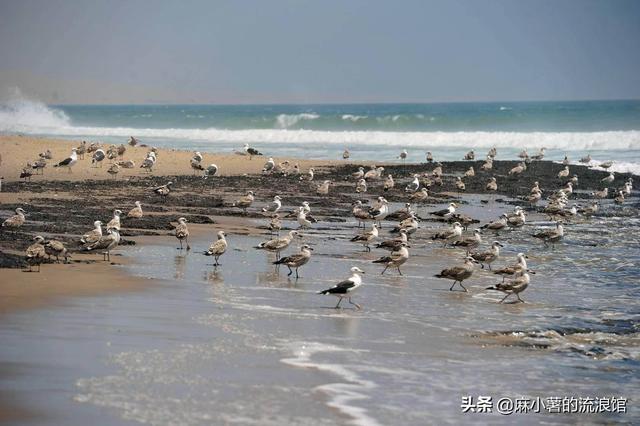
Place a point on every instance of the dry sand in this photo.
(17, 151)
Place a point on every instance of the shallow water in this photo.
(245, 344)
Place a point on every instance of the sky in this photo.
(329, 51)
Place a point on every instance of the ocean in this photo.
(608, 130)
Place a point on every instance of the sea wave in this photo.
(284, 121)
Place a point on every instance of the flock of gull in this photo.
(516, 277)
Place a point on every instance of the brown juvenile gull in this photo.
(409, 225)
(56, 248)
(396, 259)
(136, 212)
(360, 213)
(361, 186)
(367, 237)
(540, 155)
(606, 164)
(497, 225)
(523, 154)
(15, 221)
(469, 243)
(460, 184)
(359, 174)
(469, 155)
(395, 243)
(601, 194)
(273, 207)
(276, 245)
(93, 147)
(308, 176)
(182, 232)
(344, 288)
(133, 141)
(563, 173)
(47, 155)
(470, 173)
(517, 220)
(458, 273)
(218, 247)
(517, 169)
(126, 164)
(429, 157)
(513, 269)
(115, 222)
(35, 253)
(93, 235)
(323, 188)
(113, 170)
(196, 166)
(106, 242)
(488, 164)
(515, 286)
(346, 154)
(26, 174)
(551, 235)
(388, 183)
(488, 256)
(296, 260)
(492, 185)
(446, 213)
(449, 235)
(419, 196)
(275, 225)
(401, 214)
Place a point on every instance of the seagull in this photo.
(268, 166)
(498, 224)
(470, 173)
(275, 224)
(94, 235)
(367, 237)
(276, 245)
(361, 186)
(273, 207)
(245, 201)
(26, 175)
(39, 164)
(196, 166)
(302, 219)
(586, 159)
(121, 150)
(217, 248)
(250, 151)
(210, 171)
(449, 235)
(182, 232)
(378, 214)
(15, 221)
(149, 162)
(113, 170)
(492, 152)
(56, 248)
(372, 173)
(359, 174)
(388, 183)
(460, 184)
(469, 243)
(515, 286)
(35, 253)
(97, 157)
(360, 213)
(106, 243)
(539, 155)
(133, 141)
(197, 156)
(136, 212)
(606, 164)
(446, 213)
(115, 222)
(309, 176)
(590, 210)
(610, 178)
(601, 194)
(518, 220)
(492, 185)
(517, 169)
(47, 155)
(401, 214)
(469, 155)
(619, 199)
(323, 188)
(409, 225)
(488, 256)
(552, 235)
(93, 147)
(296, 260)
(70, 161)
(344, 288)
(394, 244)
(346, 154)
(437, 171)
(458, 273)
(514, 269)
(396, 259)
(523, 154)
(419, 196)
(487, 165)
(163, 190)
(414, 185)
(429, 157)
(566, 161)
(563, 173)
(403, 155)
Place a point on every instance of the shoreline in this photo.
(64, 205)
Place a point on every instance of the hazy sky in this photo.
(319, 51)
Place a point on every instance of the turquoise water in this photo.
(605, 129)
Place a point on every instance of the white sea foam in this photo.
(354, 118)
(285, 121)
(19, 114)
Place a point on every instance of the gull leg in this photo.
(399, 270)
(187, 241)
(354, 304)
(290, 271)
(297, 276)
(452, 285)
(489, 265)
(503, 299)
(463, 287)
(383, 271)
(518, 296)
(338, 305)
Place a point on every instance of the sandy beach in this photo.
(147, 278)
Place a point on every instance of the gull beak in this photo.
(531, 272)
(310, 248)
